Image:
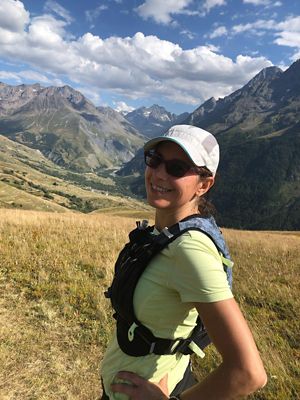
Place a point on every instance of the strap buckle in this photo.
(164, 346)
(183, 346)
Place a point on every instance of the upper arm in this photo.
(197, 271)
(229, 331)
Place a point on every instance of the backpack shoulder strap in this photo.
(209, 227)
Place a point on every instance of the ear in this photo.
(204, 185)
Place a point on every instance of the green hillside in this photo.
(28, 180)
(258, 184)
(258, 129)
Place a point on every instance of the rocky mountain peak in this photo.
(61, 94)
(13, 97)
(70, 94)
(66, 127)
(269, 90)
(155, 112)
(154, 120)
(262, 80)
(289, 83)
(38, 97)
(205, 108)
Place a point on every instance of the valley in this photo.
(58, 151)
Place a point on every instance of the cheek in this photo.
(147, 173)
(190, 185)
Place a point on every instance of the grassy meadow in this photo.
(55, 322)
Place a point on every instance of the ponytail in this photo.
(205, 207)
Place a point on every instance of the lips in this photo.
(160, 189)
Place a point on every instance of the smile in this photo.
(160, 189)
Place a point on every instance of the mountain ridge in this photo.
(153, 121)
(66, 127)
(258, 129)
(257, 126)
(255, 96)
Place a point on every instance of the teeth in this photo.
(160, 189)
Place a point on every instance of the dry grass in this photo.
(266, 285)
(53, 317)
(55, 322)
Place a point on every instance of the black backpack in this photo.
(134, 338)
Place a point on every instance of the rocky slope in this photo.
(153, 121)
(66, 127)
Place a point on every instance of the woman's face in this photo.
(167, 192)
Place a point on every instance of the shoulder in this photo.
(197, 269)
(194, 241)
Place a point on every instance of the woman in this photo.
(184, 279)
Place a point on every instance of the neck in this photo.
(166, 218)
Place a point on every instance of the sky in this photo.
(127, 54)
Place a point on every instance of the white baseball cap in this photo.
(200, 145)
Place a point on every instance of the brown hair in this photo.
(205, 207)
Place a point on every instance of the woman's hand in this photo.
(140, 388)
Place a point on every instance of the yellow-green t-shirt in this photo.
(188, 270)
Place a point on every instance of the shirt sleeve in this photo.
(198, 274)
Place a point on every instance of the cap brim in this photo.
(154, 142)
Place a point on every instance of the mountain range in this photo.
(66, 127)
(153, 121)
(257, 126)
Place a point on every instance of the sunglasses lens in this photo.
(152, 160)
(176, 168)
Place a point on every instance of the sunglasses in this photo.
(175, 168)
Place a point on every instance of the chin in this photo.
(157, 203)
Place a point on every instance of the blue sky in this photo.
(127, 54)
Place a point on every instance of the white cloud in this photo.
(291, 39)
(56, 8)
(209, 4)
(213, 48)
(122, 107)
(92, 15)
(220, 31)
(35, 76)
(11, 76)
(13, 16)
(255, 27)
(46, 31)
(270, 3)
(161, 11)
(187, 33)
(287, 32)
(31, 76)
(132, 67)
(291, 24)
